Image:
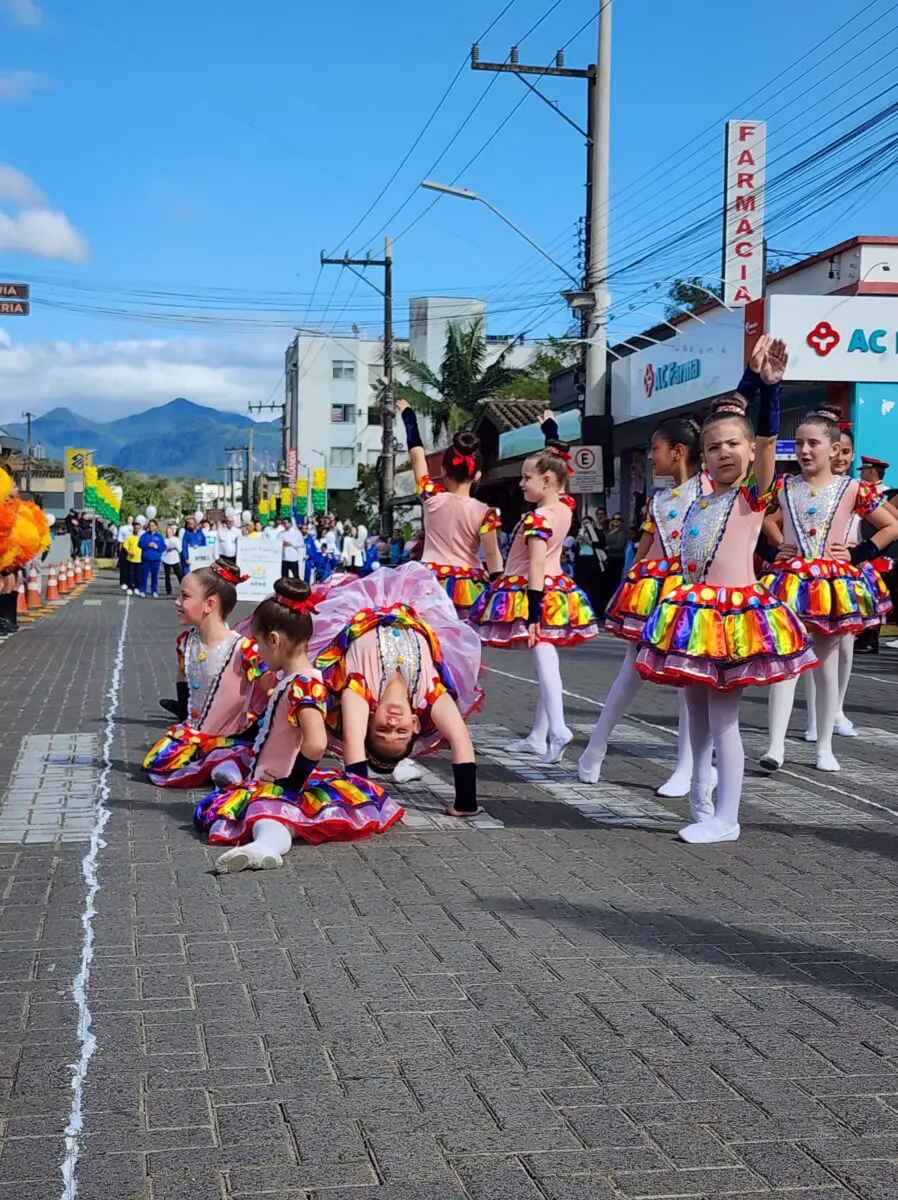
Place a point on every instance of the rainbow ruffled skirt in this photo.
(463, 585)
(185, 757)
(725, 637)
(645, 585)
(333, 807)
(500, 615)
(830, 596)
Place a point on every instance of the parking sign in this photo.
(588, 475)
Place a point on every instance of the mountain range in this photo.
(178, 438)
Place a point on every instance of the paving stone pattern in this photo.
(556, 1007)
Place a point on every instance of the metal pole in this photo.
(250, 437)
(388, 473)
(28, 417)
(597, 262)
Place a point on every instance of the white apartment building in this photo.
(332, 384)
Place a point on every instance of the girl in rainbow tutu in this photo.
(534, 603)
(720, 630)
(824, 576)
(456, 526)
(286, 797)
(657, 570)
(223, 687)
(401, 671)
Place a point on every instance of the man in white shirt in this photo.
(330, 541)
(294, 551)
(228, 533)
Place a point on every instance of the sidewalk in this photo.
(553, 1005)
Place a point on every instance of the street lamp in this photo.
(465, 194)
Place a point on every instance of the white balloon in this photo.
(140, 520)
(200, 515)
(229, 511)
(51, 517)
(247, 515)
(151, 511)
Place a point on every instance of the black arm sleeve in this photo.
(300, 771)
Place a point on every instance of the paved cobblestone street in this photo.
(561, 1001)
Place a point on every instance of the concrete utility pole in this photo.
(246, 450)
(386, 468)
(29, 417)
(597, 225)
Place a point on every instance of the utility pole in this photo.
(29, 417)
(387, 465)
(249, 478)
(592, 302)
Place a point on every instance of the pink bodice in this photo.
(281, 733)
(667, 509)
(719, 536)
(815, 517)
(453, 526)
(366, 659)
(552, 524)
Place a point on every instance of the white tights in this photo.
(550, 707)
(271, 841)
(846, 661)
(618, 701)
(714, 727)
(826, 707)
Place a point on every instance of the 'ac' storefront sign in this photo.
(852, 339)
(671, 374)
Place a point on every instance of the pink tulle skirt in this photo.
(414, 585)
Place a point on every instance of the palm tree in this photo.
(463, 382)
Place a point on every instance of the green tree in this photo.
(686, 295)
(451, 398)
(532, 383)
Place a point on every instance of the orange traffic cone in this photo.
(88, 571)
(63, 579)
(52, 586)
(22, 616)
(79, 573)
(33, 592)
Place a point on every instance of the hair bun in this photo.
(466, 442)
(829, 411)
(292, 589)
(734, 403)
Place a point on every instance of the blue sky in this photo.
(207, 152)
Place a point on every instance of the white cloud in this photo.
(16, 85)
(37, 229)
(19, 189)
(106, 380)
(23, 12)
(43, 233)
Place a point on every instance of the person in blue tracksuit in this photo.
(152, 547)
(193, 536)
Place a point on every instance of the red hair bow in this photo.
(466, 460)
(570, 502)
(565, 456)
(303, 607)
(228, 573)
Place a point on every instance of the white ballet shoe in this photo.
(557, 745)
(773, 759)
(844, 728)
(254, 856)
(679, 785)
(702, 806)
(407, 770)
(227, 774)
(810, 734)
(526, 746)
(589, 768)
(704, 833)
(827, 761)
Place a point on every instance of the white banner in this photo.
(260, 559)
(837, 339)
(743, 212)
(201, 556)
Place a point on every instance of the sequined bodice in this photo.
(399, 650)
(203, 669)
(811, 511)
(703, 527)
(669, 509)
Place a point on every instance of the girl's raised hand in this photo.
(775, 362)
(401, 405)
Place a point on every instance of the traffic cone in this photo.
(52, 586)
(79, 573)
(63, 580)
(33, 591)
(88, 571)
(22, 617)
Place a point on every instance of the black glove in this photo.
(465, 776)
(534, 607)
(300, 771)
(178, 708)
(749, 384)
(249, 734)
(549, 430)
(768, 423)
(494, 575)
(412, 433)
(359, 768)
(864, 552)
(766, 551)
